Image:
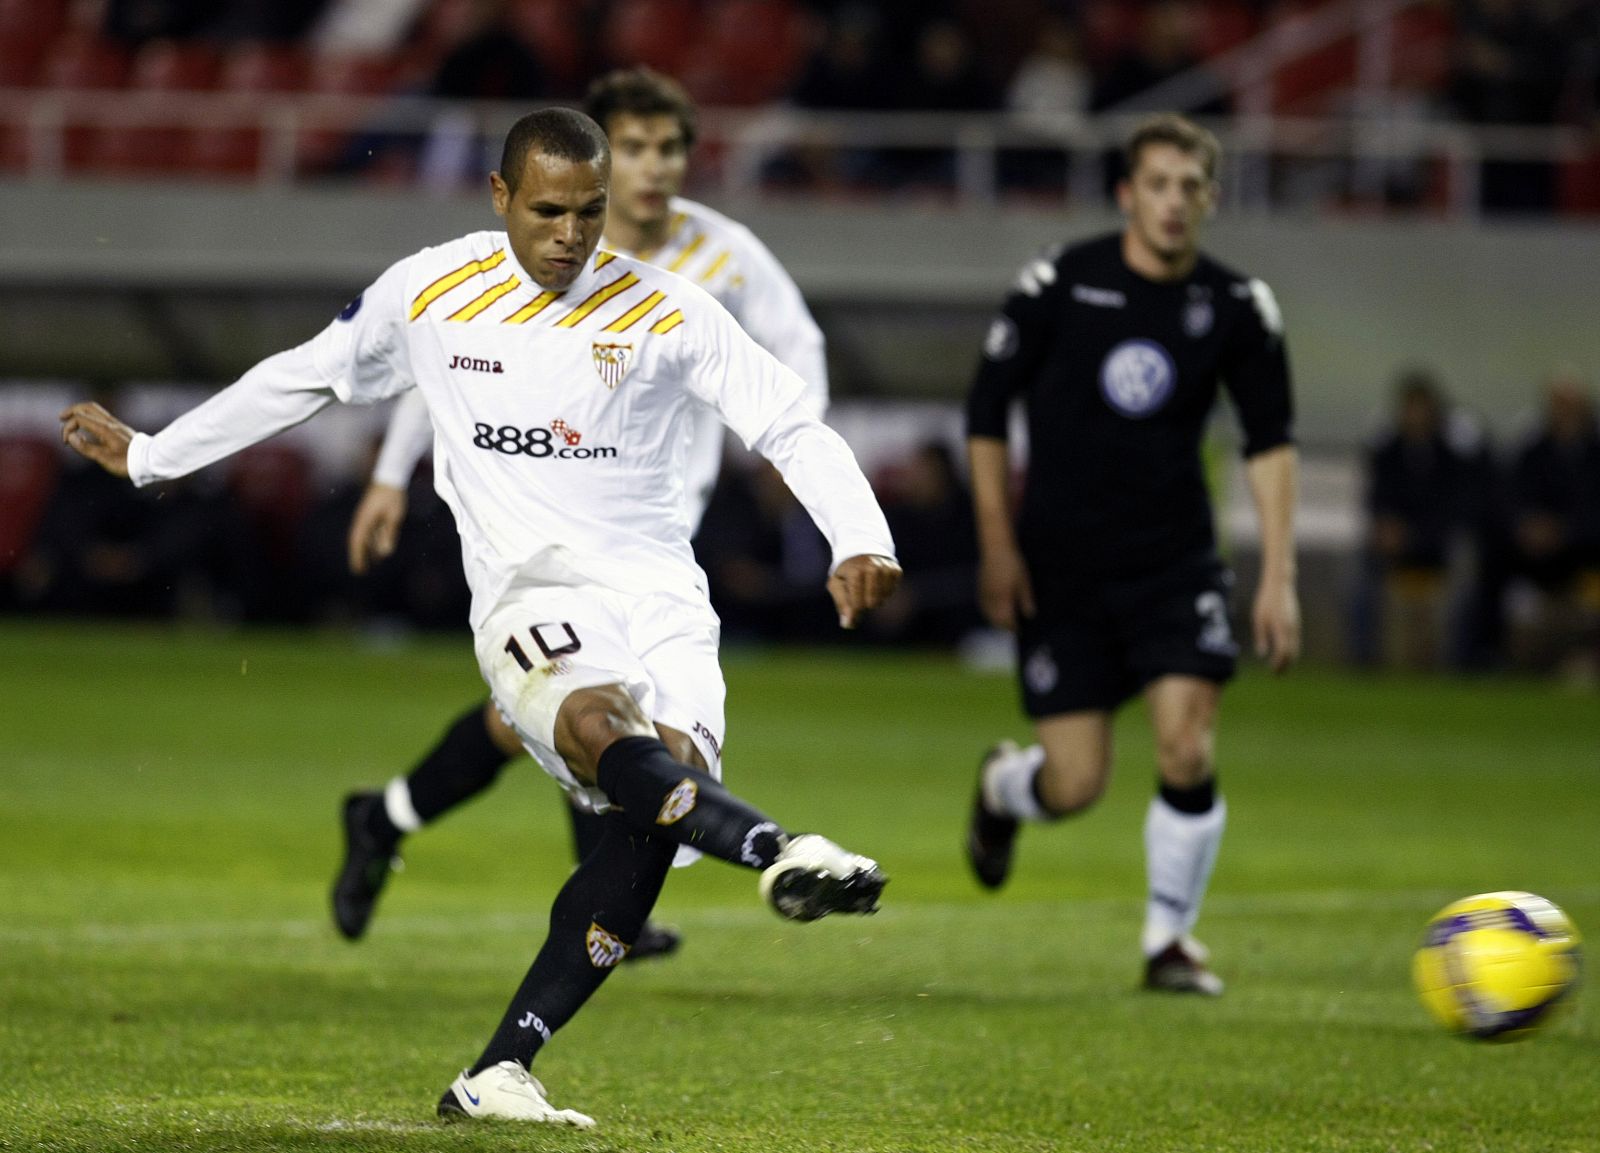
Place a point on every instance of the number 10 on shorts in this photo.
(566, 642)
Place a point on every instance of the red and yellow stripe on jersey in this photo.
(619, 303)
(455, 279)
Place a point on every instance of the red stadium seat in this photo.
(21, 61)
(1222, 25)
(1579, 186)
(319, 148)
(1423, 40)
(752, 52)
(27, 28)
(249, 70)
(28, 468)
(1306, 85)
(552, 27)
(13, 148)
(658, 33)
(258, 66)
(1110, 28)
(82, 60)
(175, 66)
(168, 68)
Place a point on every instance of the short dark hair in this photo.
(640, 92)
(1180, 132)
(563, 133)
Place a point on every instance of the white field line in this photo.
(338, 1126)
(1218, 906)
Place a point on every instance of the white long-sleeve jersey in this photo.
(726, 259)
(561, 418)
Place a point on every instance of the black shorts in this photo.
(1096, 643)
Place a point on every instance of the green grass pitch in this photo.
(169, 977)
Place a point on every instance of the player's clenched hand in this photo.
(375, 529)
(1004, 588)
(1276, 620)
(93, 432)
(861, 583)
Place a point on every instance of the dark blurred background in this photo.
(186, 187)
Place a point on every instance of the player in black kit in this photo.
(1109, 574)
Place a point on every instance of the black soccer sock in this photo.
(660, 796)
(587, 828)
(596, 915)
(464, 763)
(1194, 800)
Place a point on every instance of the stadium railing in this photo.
(56, 135)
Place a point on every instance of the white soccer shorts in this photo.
(541, 643)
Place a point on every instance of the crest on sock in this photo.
(605, 949)
(679, 803)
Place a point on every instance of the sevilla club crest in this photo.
(612, 362)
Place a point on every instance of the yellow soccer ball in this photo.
(1496, 965)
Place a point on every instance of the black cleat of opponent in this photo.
(1181, 968)
(654, 941)
(990, 838)
(366, 868)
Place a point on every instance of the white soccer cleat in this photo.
(509, 1091)
(813, 877)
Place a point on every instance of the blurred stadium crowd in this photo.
(1478, 558)
(261, 540)
(1470, 554)
(1467, 550)
(1046, 65)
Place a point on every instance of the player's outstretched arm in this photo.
(1275, 616)
(92, 432)
(861, 583)
(375, 528)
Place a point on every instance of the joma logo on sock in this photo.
(532, 1018)
(475, 364)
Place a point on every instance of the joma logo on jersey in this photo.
(474, 364)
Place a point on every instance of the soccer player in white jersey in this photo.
(560, 380)
(650, 121)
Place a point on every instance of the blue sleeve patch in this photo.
(349, 310)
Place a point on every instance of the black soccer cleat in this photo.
(366, 868)
(654, 941)
(1181, 968)
(813, 877)
(990, 837)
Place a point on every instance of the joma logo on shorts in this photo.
(705, 734)
(474, 364)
